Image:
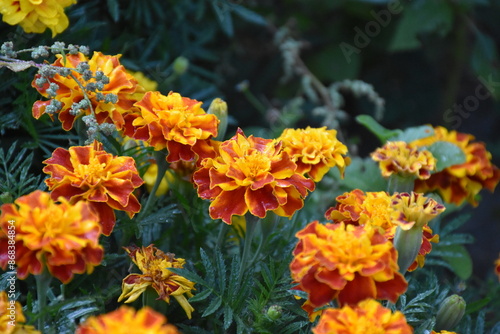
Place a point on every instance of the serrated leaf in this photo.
(209, 268)
(460, 264)
(378, 130)
(213, 306)
(496, 328)
(201, 296)
(228, 316)
(447, 154)
(220, 266)
(414, 133)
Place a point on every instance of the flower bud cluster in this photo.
(7, 49)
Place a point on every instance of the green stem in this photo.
(251, 224)
(162, 169)
(42, 286)
(400, 184)
(222, 234)
(407, 243)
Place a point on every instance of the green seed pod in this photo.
(450, 313)
(274, 312)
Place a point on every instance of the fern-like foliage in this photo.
(15, 178)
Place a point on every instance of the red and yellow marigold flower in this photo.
(176, 123)
(126, 320)
(401, 158)
(62, 236)
(497, 267)
(415, 209)
(12, 317)
(88, 173)
(345, 262)
(315, 151)
(251, 174)
(121, 83)
(458, 183)
(154, 264)
(367, 317)
(35, 16)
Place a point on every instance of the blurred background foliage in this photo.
(408, 62)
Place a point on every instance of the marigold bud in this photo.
(450, 312)
(218, 107)
(274, 312)
(181, 64)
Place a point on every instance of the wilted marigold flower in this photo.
(154, 265)
(368, 317)
(12, 317)
(403, 159)
(88, 173)
(34, 16)
(345, 262)
(251, 174)
(119, 82)
(176, 123)
(458, 183)
(126, 320)
(65, 236)
(315, 151)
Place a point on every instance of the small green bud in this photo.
(450, 313)
(180, 66)
(218, 107)
(274, 312)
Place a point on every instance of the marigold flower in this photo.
(345, 262)
(497, 267)
(150, 178)
(251, 174)
(315, 151)
(415, 209)
(401, 158)
(367, 317)
(458, 183)
(12, 317)
(126, 320)
(88, 173)
(65, 236)
(154, 265)
(176, 123)
(121, 84)
(34, 16)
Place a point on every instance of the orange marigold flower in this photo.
(35, 16)
(251, 174)
(126, 320)
(88, 173)
(368, 317)
(12, 317)
(315, 151)
(65, 236)
(176, 123)
(154, 265)
(121, 84)
(401, 158)
(345, 262)
(458, 183)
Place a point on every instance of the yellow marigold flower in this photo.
(34, 16)
(251, 174)
(121, 84)
(88, 173)
(154, 265)
(415, 209)
(345, 262)
(401, 158)
(65, 236)
(12, 317)
(315, 151)
(146, 83)
(125, 320)
(368, 317)
(150, 178)
(176, 123)
(458, 183)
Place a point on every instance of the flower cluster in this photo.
(154, 264)
(345, 262)
(63, 237)
(12, 318)
(125, 320)
(366, 317)
(314, 150)
(35, 16)
(88, 173)
(458, 183)
(251, 174)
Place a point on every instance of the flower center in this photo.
(93, 173)
(253, 165)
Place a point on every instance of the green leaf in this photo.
(114, 9)
(461, 262)
(213, 306)
(447, 154)
(378, 130)
(477, 305)
(414, 133)
(248, 15)
(362, 174)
